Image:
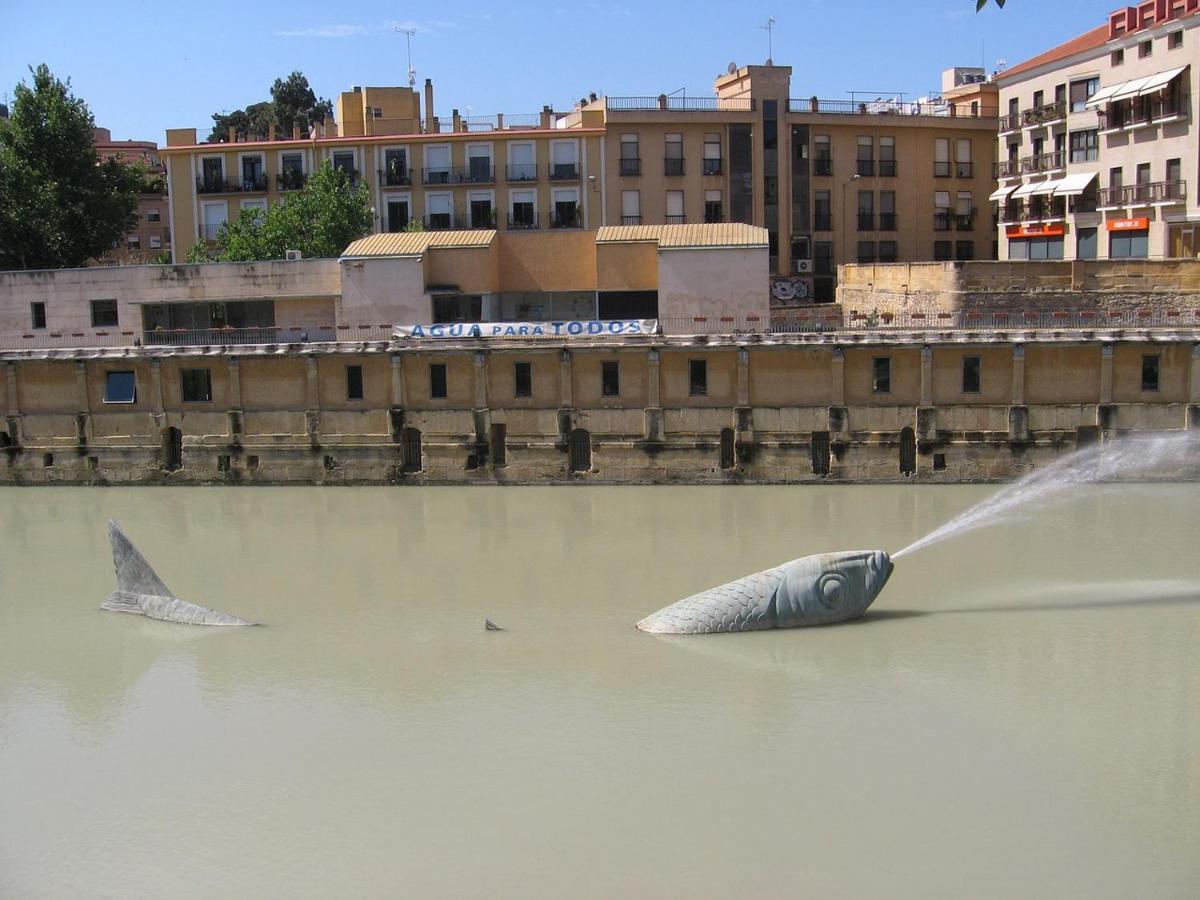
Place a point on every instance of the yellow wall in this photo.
(632, 375)
(722, 378)
(906, 377)
(791, 378)
(472, 269)
(273, 384)
(996, 375)
(1174, 369)
(627, 267)
(1062, 374)
(460, 380)
(377, 382)
(501, 368)
(547, 261)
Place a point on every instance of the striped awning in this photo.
(1137, 87)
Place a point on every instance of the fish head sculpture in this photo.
(830, 587)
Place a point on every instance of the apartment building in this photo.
(833, 181)
(152, 234)
(1098, 141)
(518, 174)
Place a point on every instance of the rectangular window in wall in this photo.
(866, 156)
(822, 211)
(1085, 145)
(354, 382)
(104, 313)
(887, 251)
(822, 257)
(675, 208)
(697, 377)
(941, 157)
(1174, 40)
(1150, 371)
(713, 207)
(673, 154)
(630, 161)
(120, 387)
(942, 250)
(437, 381)
(963, 167)
(1082, 91)
(866, 251)
(522, 379)
(1129, 245)
(37, 314)
(631, 207)
(1145, 48)
(610, 378)
(866, 211)
(971, 374)
(195, 385)
(881, 375)
(712, 154)
(887, 156)
(822, 155)
(887, 210)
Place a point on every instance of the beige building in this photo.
(1098, 148)
(152, 234)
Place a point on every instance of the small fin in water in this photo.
(489, 625)
(134, 574)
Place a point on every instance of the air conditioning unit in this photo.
(802, 266)
(293, 255)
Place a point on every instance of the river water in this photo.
(1017, 715)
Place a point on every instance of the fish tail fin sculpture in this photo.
(141, 591)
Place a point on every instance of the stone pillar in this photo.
(743, 377)
(83, 419)
(653, 430)
(10, 378)
(156, 389)
(235, 383)
(927, 376)
(312, 402)
(1018, 383)
(397, 380)
(564, 379)
(1106, 373)
(837, 378)
(481, 383)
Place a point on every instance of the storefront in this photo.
(1035, 241)
(1128, 238)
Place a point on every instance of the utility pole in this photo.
(769, 28)
(408, 35)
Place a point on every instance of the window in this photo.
(1145, 48)
(343, 161)
(437, 381)
(1174, 40)
(887, 251)
(610, 379)
(1150, 365)
(397, 214)
(1085, 145)
(822, 257)
(133, 241)
(37, 314)
(697, 377)
(631, 162)
(964, 250)
(962, 158)
(887, 157)
(887, 210)
(522, 379)
(866, 155)
(482, 214)
(822, 211)
(1129, 245)
(673, 155)
(522, 165)
(941, 157)
(1039, 99)
(1142, 190)
(155, 243)
(941, 250)
(437, 207)
(866, 211)
(479, 163)
(153, 215)
(1117, 58)
(291, 171)
(354, 383)
(675, 214)
(713, 207)
(120, 387)
(195, 385)
(566, 209)
(712, 154)
(564, 160)
(941, 211)
(881, 375)
(971, 375)
(521, 209)
(631, 207)
(822, 155)
(866, 251)
(104, 313)
(1081, 93)
(437, 164)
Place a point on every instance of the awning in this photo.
(1130, 89)
(1045, 187)
(1002, 193)
(1160, 81)
(1025, 190)
(1074, 184)
(1103, 95)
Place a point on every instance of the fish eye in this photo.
(831, 589)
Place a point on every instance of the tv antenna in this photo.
(769, 28)
(408, 35)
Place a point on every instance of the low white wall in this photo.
(384, 291)
(714, 282)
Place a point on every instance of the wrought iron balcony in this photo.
(565, 218)
(965, 221)
(941, 220)
(395, 177)
(1147, 194)
(866, 167)
(1141, 111)
(631, 166)
(1011, 122)
(290, 180)
(631, 220)
(394, 223)
(522, 220)
(521, 172)
(887, 221)
(676, 220)
(941, 168)
(823, 165)
(475, 174)
(887, 168)
(822, 222)
(215, 185)
(1007, 168)
(1043, 162)
(713, 166)
(443, 222)
(564, 171)
(351, 174)
(964, 170)
(673, 165)
(1044, 114)
(866, 221)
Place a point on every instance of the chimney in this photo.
(270, 131)
(457, 121)
(232, 135)
(547, 116)
(430, 121)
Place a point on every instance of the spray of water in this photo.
(1128, 459)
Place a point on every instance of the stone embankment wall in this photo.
(1124, 286)
(800, 408)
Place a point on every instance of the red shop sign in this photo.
(1127, 224)
(1022, 231)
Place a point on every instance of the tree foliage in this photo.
(319, 221)
(60, 205)
(293, 104)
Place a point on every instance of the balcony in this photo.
(565, 218)
(866, 221)
(1148, 194)
(1011, 122)
(215, 185)
(395, 178)
(477, 174)
(713, 166)
(866, 167)
(443, 222)
(941, 220)
(713, 217)
(1044, 114)
(392, 224)
(290, 180)
(631, 166)
(887, 221)
(564, 171)
(663, 103)
(1008, 168)
(822, 222)
(887, 168)
(1043, 162)
(521, 172)
(522, 221)
(676, 220)
(823, 165)
(935, 107)
(964, 170)
(1141, 113)
(631, 220)
(350, 173)
(965, 221)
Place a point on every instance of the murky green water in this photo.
(1019, 715)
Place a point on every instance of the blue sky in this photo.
(144, 66)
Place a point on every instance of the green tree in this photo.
(60, 205)
(198, 253)
(292, 103)
(319, 221)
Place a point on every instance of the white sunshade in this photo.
(1044, 187)
(1002, 193)
(1074, 184)
(1130, 89)
(1104, 94)
(1025, 190)
(1160, 81)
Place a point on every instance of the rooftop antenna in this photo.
(769, 28)
(408, 35)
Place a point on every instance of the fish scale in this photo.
(742, 605)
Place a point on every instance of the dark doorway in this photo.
(908, 451)
(728, 454)
(499, 445)
(410, 449)
(820, 453)
(172, 448)
(579, 445)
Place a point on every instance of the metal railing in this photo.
(476, 174)
(564, 171)
(521, 172)
(1142, 111)
(290, 181)
(1010, 122)
(664, 103)
(630, 166)
(565, 219)
(887, 168)
(1007, 168)
(865, 167)
(941, 220)
(713, 166)
(522, 221)
(393, 225)
(822, 222)
(350, 173)
(1043, 162)
(631, 220)
(676, 220)
(934, 107)
(965, 221)
(1044, 114)
(941, 168)
(887, 221)
(964, 170)
(395, 177)
(214, 185)
(866, 221)
(1143, 194)
(672, 165)
(823, 165)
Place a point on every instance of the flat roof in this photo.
(686, 237)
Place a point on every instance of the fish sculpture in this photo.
(142, 592)
(813, 590)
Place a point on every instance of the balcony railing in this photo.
(290, 181)
(1007, 168)
(887, 168)
(822, 222)
(941, 220)
(713, 166)
(935, 108)
(964, 221)
(1010, 122)
(351, 174)
(941, 168)
(477, 174)
(521, 172)
(1043, 162)
(866, 167)
(631, 166)
(1131, 195)
(676, 220)
(393, 224)
(214, 185)
(887, 221)
(564, 171)
(522, 221)
(1044, 114)
(866, 221)
(1142, 111)
(395, 177)
(672, 165)
(681, 104)
(823, 165)
(964, 170)
(711, 218)
(631, 220)
(565, 219)
(443, 222)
